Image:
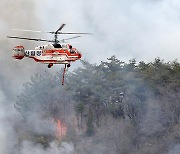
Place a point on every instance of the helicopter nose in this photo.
(79, 55)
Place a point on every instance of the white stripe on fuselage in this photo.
(38, 54)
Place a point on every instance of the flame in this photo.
(60, 130)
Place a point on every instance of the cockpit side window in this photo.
(72, 51)
(64, 46)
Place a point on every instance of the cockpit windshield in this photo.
(64, 46)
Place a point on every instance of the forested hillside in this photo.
(112, 107)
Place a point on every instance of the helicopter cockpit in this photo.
(71, 49)
(57, 45)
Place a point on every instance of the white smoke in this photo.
(55, 148)
(142, 29)
(13, 73)
(175, 150)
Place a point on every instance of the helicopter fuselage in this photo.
(48, 54)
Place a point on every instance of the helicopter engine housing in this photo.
(18, 52)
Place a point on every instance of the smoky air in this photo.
(122, 97)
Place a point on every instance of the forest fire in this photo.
(61, 130)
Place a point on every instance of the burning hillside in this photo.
(121, 95)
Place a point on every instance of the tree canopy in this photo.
(142, 98)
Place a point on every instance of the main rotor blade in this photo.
(31, 39)
(64, 40)
(56, 32)
(60, 28)
(72, 33)
(27, 30)
(71, 38)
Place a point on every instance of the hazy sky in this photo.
(141, 29)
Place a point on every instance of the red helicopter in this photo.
(50, 54)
